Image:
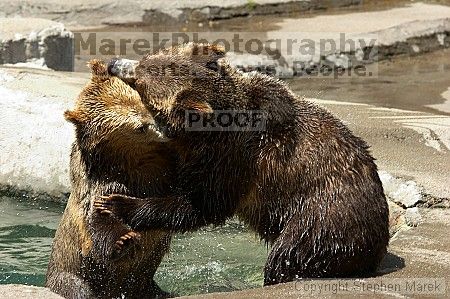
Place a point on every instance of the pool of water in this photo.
(26, 232)
(210, 260)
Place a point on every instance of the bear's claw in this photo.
(103, 206)
(125, 243)
(116, 204)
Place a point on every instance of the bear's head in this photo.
(109, 112)
(177, 83)
(184, 76)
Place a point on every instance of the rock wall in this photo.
(43, 43)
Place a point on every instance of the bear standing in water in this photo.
(96, 255)
(306, 184)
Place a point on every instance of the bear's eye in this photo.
(143, 128)
(212, 65)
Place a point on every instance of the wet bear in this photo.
(304, 182)
(96, 255)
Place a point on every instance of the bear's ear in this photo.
(208, 55)
(212, 50)
(98, 68)
(74, 117)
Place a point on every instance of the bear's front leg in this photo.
(111, 238)
(176, 213)
(122, 207)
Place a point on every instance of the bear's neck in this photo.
(131, 170)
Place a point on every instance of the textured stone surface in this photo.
(35, 139)
(100, 12)
(40, 41)
(409, 30)
(15, 291)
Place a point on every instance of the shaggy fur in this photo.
(306, 184)
(94, 254)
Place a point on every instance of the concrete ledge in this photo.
(35, 139)
(15, 291)
(206, 10)
(40, 41)
(93, 13)
(409, 30)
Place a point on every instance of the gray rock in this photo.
(15, 291)
(34, 40)
(404, 193)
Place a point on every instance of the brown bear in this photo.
(96, 255)
(303, 182)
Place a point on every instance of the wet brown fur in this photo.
(306, 184)
(113, 152)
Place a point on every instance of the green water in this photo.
(210, 260)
